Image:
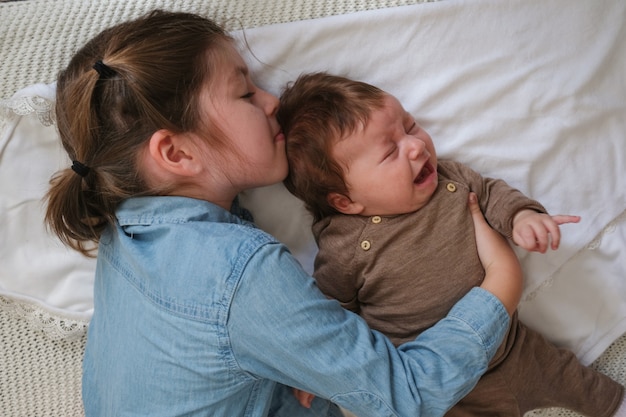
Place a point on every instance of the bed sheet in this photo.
(525, 90)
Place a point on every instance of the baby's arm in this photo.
(533, 231)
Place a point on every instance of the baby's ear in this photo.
(343, 204)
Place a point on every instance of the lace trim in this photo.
(21, 106)
(610, 228)
(53, 325)
(593, 245)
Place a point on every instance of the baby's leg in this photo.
(543, 375)
(492, 396)
(534, 374)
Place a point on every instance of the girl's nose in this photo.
(269, 102)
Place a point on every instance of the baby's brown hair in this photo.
(316, 111)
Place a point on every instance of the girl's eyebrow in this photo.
(237, 79)
(238, 71)
(242, 69)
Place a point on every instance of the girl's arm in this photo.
(503, 273)
(303, 340)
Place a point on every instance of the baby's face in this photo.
(390, 165)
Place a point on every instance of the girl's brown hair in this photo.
(315, 112)
(150, 77)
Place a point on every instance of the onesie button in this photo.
(366, 245)
(376, 219)
(451, 187)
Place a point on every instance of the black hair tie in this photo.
(103, 69)
(80, 169)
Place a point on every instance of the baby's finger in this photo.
(541, 237)
(555, 233)
(525, 239)
(565, 218)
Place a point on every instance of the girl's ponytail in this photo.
(68, 213)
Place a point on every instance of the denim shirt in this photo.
(199, 313)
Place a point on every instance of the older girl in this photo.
(197, 312)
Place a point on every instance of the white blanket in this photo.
(531, 91)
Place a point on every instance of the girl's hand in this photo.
(304, 398)
(503, 273)
(535, 231)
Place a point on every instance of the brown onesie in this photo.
(403, 273)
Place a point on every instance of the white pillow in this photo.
(34, 262)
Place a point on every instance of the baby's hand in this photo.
(304, 398)
(533, 231)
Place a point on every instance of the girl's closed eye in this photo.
(248, 95)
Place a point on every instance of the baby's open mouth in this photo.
(427, 169)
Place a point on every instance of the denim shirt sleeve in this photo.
(282, 328)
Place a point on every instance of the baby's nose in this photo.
(416, 148)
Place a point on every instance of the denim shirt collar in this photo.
(174, 209)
